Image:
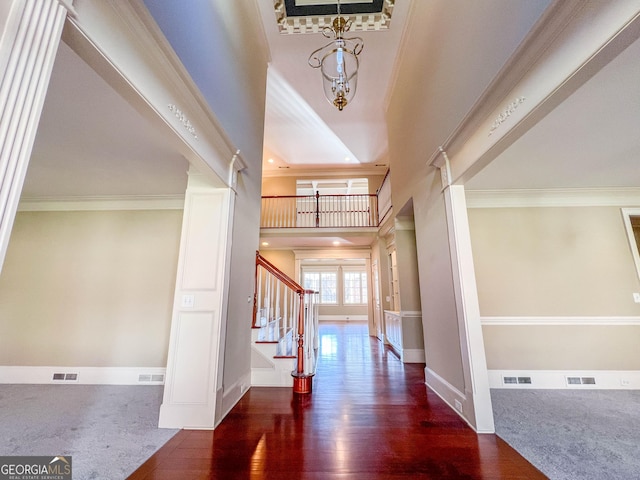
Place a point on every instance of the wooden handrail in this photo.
(303, 372)
(280, 275)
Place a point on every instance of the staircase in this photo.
(285, 323)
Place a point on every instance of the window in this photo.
(355, 287)
(324, 282)
(631, 217)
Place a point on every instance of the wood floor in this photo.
(369, 417)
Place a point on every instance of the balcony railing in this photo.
(328, 211)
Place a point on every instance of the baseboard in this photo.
(413, 355)
(448, 393)
(566, 379)
(226, 398)
(83, 375)
(343, 318)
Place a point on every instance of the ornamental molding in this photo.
(505, 114)
(182, 118)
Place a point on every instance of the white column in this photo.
(199, 305)
(29, 37)
(477, 407)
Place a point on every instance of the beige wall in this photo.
(89, 289)
(556, 262)
(408, 280)
(566, 347)
(553, 261)
(285, 260)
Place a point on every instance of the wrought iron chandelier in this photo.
(338, 62)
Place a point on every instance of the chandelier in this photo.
(338, 62)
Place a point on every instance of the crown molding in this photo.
(103, 203)
(330, 171)
(571, 197)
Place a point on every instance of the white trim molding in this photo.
(581, 321)
(560, 379)
(122, 202)
(82, 375)
(451, 396)
(556, 197)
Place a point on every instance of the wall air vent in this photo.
(581, 381)
(516, 380)
(65, 377)
(150, 378)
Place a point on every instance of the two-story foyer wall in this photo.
(89, 288)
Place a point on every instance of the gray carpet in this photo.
(573, 434)
(108, 430)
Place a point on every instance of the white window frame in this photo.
(627, 213)
(320, 270)
(364, 284)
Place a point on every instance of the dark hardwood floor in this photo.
(369, 417)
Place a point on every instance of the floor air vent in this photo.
(150, 378)
(581, 381)
(65, 377)
(516, 380)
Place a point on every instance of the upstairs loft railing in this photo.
(287, 314)
(328, 211)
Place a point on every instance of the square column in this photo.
(199, 308)
(30, 33)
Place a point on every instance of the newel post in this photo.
(302, 382)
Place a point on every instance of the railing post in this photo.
(317, 209)
(302, 382)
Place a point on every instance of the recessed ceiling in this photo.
(311, 16)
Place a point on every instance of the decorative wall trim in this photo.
(574, 197)
(578, 321)
(182, 118)
(85, 375)
(557, 379)
(123, 202)
(506, 113)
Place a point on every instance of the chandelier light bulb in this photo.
(338, 62)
